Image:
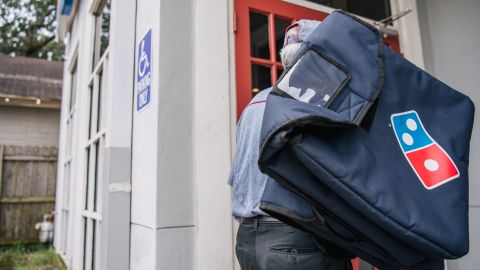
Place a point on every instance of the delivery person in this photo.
(264, 243)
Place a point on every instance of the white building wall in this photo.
(181, 142)
(163, 195)
(29, 126)
(114, 249)
(81, 30)
(451, 47)
(178, 149)
(77, 46)
(58, 238)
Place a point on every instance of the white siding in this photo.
(29, 126)
(450, 47)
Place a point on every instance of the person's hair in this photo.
(287, 53)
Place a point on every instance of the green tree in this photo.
(27, 28)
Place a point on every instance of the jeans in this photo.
(277, 246)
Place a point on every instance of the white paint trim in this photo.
(233, 112)
(409, 31)
(232, 74)
(311, 5)
(92, 215)
(407, 27)
(71, 52)
(73, 59)
(96, 6)
(66, 117)
(95, 137)
(64, 259)
(83, 29)
(328, 10)
(100, 66)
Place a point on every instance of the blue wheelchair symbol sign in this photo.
(144, 63)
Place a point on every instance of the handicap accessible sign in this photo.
(144, 71)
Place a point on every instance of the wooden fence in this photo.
(27, 190)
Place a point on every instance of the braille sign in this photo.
(428, 159)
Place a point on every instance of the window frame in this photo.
(93, 146)
(282, 9)
(96, 9)
(68, 161)
(243, 58)
(328, 10)
(405, 36)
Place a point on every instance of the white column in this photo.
(163, 196)
(115, 232)
(212, 136)
(409, 31)
(145, 150)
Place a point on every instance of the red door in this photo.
(259, 27)
(259, 32)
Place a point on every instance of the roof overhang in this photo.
(65, 6)
(66, 10)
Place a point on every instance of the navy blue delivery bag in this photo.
(367, 151)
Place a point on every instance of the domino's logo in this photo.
(430, 162)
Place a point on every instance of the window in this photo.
(95, 140)
(67, 164)
(73, 87)
(371, 9)
(102, 31)
(259, 35)
(265, 49)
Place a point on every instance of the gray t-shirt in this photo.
(245, 178)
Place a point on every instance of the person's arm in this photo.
(233, 169)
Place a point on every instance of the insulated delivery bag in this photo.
(367, 151)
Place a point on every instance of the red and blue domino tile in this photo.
(430, 162)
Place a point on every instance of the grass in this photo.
(29, 257)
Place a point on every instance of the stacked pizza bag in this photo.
(367, 151)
